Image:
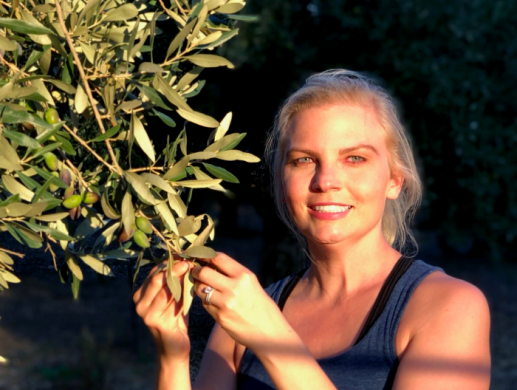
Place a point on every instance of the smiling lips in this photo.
(329, 211)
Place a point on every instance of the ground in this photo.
(97, 342)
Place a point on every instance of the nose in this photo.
(326, 178)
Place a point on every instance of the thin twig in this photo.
(12, 253)
(74, 169)
(169, 245)
(179, 7)
(87, 89)
(147, 169)
(85, 145)
(12, 66)
(49, 248)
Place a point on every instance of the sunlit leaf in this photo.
(221, 173)
(108, 210)
(172, 96)
(81, 99)
(173, 282)
(73, 266)
(63, 86)
(209, 60)
(180, 37)
(232, 155)
(188, 291)
(177, 168)
(189, 225)
(124, 12)
(52, 217)
(201, 252)
(189, 77)
(14, 187)
(142, 138)
(138, 184)
(23, 27)
(198, 183)
(198, 118)
(168, 219)
(202, 155)
(149, 67)
(229, 141)
(166, 119)
(97, 265)
(128, 213)
(7, 45)
(158, 182)
(244, 18)
(21, 139)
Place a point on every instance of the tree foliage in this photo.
(81, 81)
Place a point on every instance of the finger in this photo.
(211, 277)
(226, 265)
(157, 283)
(141, 291)
(215, 297)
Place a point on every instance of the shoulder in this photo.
(441, 299)
(445, 332)
(440, 295)
(445, 310)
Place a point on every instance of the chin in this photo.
(328, 237)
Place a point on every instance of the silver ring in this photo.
(208, 291)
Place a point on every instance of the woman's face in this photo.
(336, 173)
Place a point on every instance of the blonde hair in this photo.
(351, 88)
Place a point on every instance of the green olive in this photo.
(144, 225)
(53, 187)
(141, 239)
(90, 198)
(72, 201)
(52, 161)
(51, 116)
(69, 192)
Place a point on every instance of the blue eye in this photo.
(356, 159)
(304, 160)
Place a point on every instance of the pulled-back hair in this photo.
(351, 88)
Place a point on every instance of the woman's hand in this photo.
(239, 304)
(163, 315)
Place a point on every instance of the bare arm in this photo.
(164, 318)
(448, 345)
(246, 316)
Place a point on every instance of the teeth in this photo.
(331, 209)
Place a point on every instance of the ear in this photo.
(394, 186)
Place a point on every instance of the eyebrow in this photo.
(341, 151)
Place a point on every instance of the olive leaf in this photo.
(97, 265)
(201, 252)
(209, 60)
(128, 213)
(142, 138)
(232, 155)
(188, 291)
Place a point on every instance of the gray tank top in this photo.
(370, 364)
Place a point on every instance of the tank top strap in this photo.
(389, 320)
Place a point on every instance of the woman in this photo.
(362, 316)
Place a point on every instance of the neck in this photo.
(339, 271)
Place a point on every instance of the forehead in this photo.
(335, 127)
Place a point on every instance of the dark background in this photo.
(452, 67)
